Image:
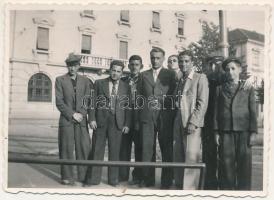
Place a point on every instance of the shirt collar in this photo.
(157, 70)
(190, 75)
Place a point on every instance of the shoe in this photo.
(142, 184)
(79, 184)
(115, 184)
(134, 182)
(67, 182)
(165, 187)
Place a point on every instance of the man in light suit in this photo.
(70, 90)
(110, 118)
(192, 92)
(156, 84)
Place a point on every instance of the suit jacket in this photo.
(161, 91)
(237, 113)
(194, 99)
(102, 107)
(68, 102)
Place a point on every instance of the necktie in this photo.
(113, 97)
(154, 75)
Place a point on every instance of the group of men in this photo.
(185, 109)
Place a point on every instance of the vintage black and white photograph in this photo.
(136, 98)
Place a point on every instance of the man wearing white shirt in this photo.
(110, 119)
(154, 85)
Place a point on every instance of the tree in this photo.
(207, 45)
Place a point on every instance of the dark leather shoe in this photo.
(165, 187)
(142, 184)
(134, 182)
(114, 184)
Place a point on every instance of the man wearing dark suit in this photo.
(70, 90)
(192, 101)
(135, 65)
(235, 125)
(110, 119)
(156, 86)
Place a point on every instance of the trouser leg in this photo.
(98, 154)
(82, 149)
(244, 162)
(148, 151)
(165, 142)
(137, 171)
(227, 161)
(193, 155)
(114, 145)
(210, 158)
(125, 155)
(66, 149)
(178, 153)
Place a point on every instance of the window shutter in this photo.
(43, 38)
(123, 50)
(180, 27)
(156, 20)
(124, 15)
(86, 44)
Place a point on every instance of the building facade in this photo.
(40, 41)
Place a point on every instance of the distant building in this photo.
(249, 46)
(41, 40)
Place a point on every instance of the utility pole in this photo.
(223, 44)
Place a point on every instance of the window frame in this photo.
(127, 53)
(86, 34)
(32, 97)
(155, 29)
(37, 34)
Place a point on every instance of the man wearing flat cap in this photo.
(73, 136)
(235, 125)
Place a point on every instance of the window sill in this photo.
(37, 51)
(180, 36)
(123, 23)
(82, 14)
(158, 30)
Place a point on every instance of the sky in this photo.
(247, 19)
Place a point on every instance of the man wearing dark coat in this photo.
(110, 119)
(135, 65)
(235, 125)
(73, 135)
(156, 86)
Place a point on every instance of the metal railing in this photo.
(100, 62)
(200, 166)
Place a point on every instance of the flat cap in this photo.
(229, 60)
(73, 59)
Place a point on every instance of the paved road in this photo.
(39, 138)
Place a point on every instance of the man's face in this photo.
(185, 63)
(233, 71)
(157, 59)
(73, 69)
(172, 63)
(116, 72)
(135, 66)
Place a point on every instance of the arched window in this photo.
(39, 88)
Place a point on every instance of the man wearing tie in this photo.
(110, 119)
(156, 84)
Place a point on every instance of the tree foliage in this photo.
(206, 45)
